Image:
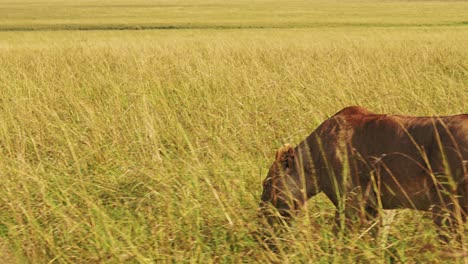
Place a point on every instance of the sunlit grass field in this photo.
(148, 14)
(150, 145)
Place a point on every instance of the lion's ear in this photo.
(285, 156)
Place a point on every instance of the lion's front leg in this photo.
(356, 210)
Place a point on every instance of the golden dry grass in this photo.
(150, 146)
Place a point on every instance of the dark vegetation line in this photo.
(70, 27)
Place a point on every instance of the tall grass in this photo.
(151, 146)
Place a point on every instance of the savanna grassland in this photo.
(140, 131)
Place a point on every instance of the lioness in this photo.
(364, 162)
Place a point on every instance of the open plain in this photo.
(140, 131)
